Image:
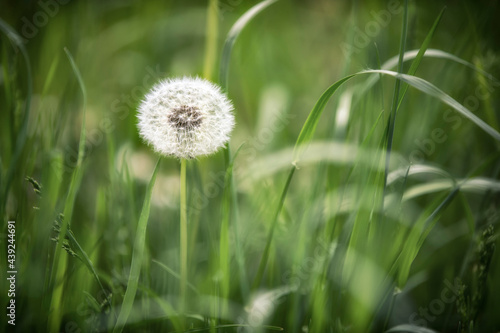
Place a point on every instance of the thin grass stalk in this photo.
(232, 204)
(137, 256)
(22, 136)
(392, 119)
(265, 255)
(59, 262)
(211, 41)
(391, 308)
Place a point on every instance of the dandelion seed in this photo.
(186, 117)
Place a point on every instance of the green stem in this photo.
(265, 255)
(183, 235)
(391, 308)
(394, 109)
(211, 41)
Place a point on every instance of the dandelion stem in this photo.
(183, 235)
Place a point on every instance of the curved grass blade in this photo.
(307, 131)
(429, 53)
(410, 329)
(21, 137)
(399, 99)
(137, 256)
(166, 307)
(76, 179)
(265, 254)
(420, 54)
(224, 251)
(267, 327)
(82, 255)
(439, 54)
(417, 236)
(430, 89)
(309, 128)
(305, 136)
(477, 185)
(174, 274)
(332, 152)
(392, 117)
(223, 80)
(233, 35)
(50, 75)
(416, 169)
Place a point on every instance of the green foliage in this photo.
(362, 196)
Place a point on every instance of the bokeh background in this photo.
(281, 63)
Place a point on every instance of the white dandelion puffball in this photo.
(186, 117)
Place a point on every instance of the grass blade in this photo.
(21, 137)
(417, 236)
(233, 35)
(307, 131)
(429, 53)
(410, 329)
(420, 54)
(430, 89)
(76, 179)
(392, 117)
(211, 41)
(265, 255)
(267, 327)
(174, 274)
(137, 256)
(223, 81)
(309, 128)
(224, 251)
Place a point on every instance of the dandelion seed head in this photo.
(185, 117)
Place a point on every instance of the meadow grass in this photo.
(359, 192)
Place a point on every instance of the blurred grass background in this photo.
(318, 278)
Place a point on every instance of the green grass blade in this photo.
(223, 80)
(76, 179)
(309, 128)
(439, 54)
(166, 307)
(211, 41)
(78, 75)
(265, 254)
(418, 234)
(417, 169)
(267, 327)
(420, 54)
(429, 53)
(410, 329)
(137, 256)
(174, 274)
(392, 117)
(50, 75)
(430, 89)
(224, 251)
(478, 185)
(86, 260)
(233, 35)
(21, 137)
